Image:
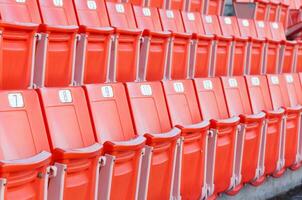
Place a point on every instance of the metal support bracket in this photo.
(56, 183)
(3, 182)
(105, 177)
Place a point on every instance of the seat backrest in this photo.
(294, 88)
(278, 91)
(236, 95)
(91, 13)
(67, 117)
(57, 12)
(247, 28)
(110, 112)
(177, 4)
(263, 30)
(192, 22)
(147, 18)
(196, 6)
(149, 109)
(171, 20)
(19, 11)
(277, 31)
(182, 102)
(211, 25)
(211, 98)
(259, 94)
(157, 3)
(229, 26)
(121, 15)
(214, 7)
(22, 128)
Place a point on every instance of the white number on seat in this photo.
(107, 91)
(119, 8)
(147, 12)
(233, 82)
(207, 84)
(179, 87)
(58, 3)
(275, 80)
(91, 5)
(146, 90)
(65, 96)
(16, 100)
(289, 78)
(255, 81)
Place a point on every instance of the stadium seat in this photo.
(24, 152)
(94, 47)
(229, 28)
(248, 148)
(271, 146)
(222, 47)
(284, 12)
(114, 129)
(196, 6)
(59, 28)
(19, 37)
(256, 46)
(151, 119)
(288, 48)
(202, 45)
(178, 64)
(262, 10)
(177, 4)
(72, 141)
(214, 7)
(185, 114)
(126, 43)
(271, 61)
(273, 10)
(280, 96)
(222, 139)
(154, 52)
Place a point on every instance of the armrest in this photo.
(201, 36)
(225, 38)
(133, 144)
(224, 122)
(242, 39)
(128, 31)
(252, 118)
(274, 41)
(65, 29)
(41, 159)
(163, 34)
(81, 153)
(181, 35)
(18, 25)
(173, 134)
(275, 114)
(194, 127)
(257, 39)
(293, 109)
(289, 42)
(101, 30)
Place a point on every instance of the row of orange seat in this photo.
(137, 102)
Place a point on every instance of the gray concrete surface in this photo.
(271, 188)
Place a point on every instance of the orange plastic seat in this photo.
(222, 48)
(273, 46)
(202, 47)
(177, 4)
(185, 114)
(248, 152)
(196, 6)
(262, 9)
(214, 7)
(19, 37)
(24, 152)
(272, 142)
(223, 137)
(154, 52)
(279, 94)
(229, 28)
(273, 10)
(114, 129)
(256, 46)
(288, 48)
(284, 12)
(151, 119)
(94, 48)
(178, 64)
(59, 26)
(126, 43)
(72, 142)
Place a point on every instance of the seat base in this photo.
(279, 173)
(296, 166)
(235, 190)
(259, 181)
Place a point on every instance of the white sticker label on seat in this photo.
(58, 3)
(107, 91)
(275, 25)
(91, 5)
(209, 19)
(147, 12)
(170, 14)
(65, 96)
(261, 24)
(146, 90)
(255, 81)
(119, 8)
(207, 84)
(191, 16)
(15, 100)
(179, 87)
(245, 23)
(275, 80)
(227, 20)
(233, 82)
(289, 78)
(20, 1)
